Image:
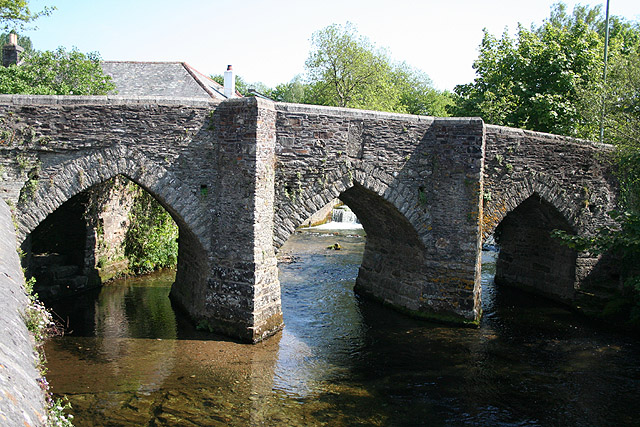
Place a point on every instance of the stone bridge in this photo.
(238, 177)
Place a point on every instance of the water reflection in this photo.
(341, 360)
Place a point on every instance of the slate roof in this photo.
(174, 79)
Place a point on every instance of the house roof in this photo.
(175, 79)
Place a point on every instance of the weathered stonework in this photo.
(240, 176)
(535, 183)
(112, 203)
(414, 183)
(21, 398)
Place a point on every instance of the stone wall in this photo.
(108, 217)
(21, 399)
(245, 292)
(54, 148)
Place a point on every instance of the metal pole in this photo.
(604, 75)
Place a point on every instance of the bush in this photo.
(151, 241)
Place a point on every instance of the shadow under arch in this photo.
(507, 199)
(61, 182)
(530, 258)
(393, 258)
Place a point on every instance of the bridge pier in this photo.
(241, 297)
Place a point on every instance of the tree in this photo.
(345, 69)
(16, 13)
(534, 81)
(416, 92)
(151, 241)
(295, 91)
(56, 73)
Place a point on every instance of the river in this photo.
(130, 360)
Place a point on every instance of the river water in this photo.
(130, 360)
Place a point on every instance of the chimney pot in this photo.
(13, 39)
(229, 83)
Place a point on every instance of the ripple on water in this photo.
(340, 360)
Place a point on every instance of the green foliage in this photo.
(37, 317)
(151, 241)
(40, 323)
(241, 85)
(416, 93)
(345, 69)
(545, 77)
(56, 73)
(56, 415)
(295, 91)
(16, 13)
(621, 97)
(622, 240)
(532, 82)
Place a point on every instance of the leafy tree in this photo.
(548, 78)
(16, 13)
(56, 73)
(417, 95)
(345, 69)
(294, 91)
(533, 81)
(621, 98)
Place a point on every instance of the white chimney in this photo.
(13, 38)
(229, 83)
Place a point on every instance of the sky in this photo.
(268, 41)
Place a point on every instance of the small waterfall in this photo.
(341, 218)
(344, 215)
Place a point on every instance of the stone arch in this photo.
(393, 265)
(504, 200)
(530, 258)
(294, 210)
(60, 182)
